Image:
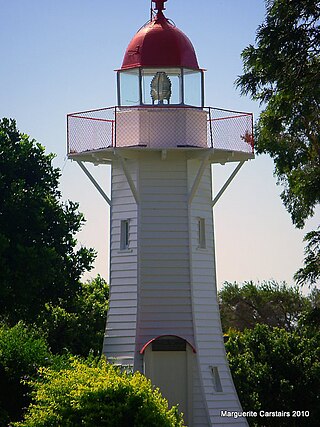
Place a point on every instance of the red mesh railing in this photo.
(91, 130)
(210, 127)
(230, 130)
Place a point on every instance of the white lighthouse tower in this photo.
(161, 141)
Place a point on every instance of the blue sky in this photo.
(59, 57)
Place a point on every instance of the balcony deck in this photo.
(94, 135)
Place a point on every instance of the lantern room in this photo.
(160, 67)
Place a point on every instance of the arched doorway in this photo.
(168, 362)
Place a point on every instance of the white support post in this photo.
(225, 186)
(129, 179)
(94, 182)
(197, 179)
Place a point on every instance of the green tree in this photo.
(270, 303)
(310, 272)
(276, 370)
(310, 319)
(78, 324)
(282, 72)
(97, 395)
(39, 262)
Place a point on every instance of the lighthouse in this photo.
(162, 142)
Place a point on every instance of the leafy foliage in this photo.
(310, 319)
(275, 370)
(269, 303)
(39, 262)
(282, 72)
(310, 272)
(22, 351)
(78, 324)
(97, 395)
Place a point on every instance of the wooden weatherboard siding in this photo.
(206, 316)
(165, 294)
(120, 337)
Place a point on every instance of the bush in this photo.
(78, 324)
(94, 395)
(275, 370)
(22, 351)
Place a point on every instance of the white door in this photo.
(168, 370)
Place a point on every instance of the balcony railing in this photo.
(117, 127)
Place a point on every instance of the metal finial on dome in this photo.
(159, 5)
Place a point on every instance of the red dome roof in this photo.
(160, 44)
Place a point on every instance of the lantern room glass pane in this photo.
(160, 86)
(129, 87)
(166, 90)
(192, 87)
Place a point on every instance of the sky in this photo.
(59, 57)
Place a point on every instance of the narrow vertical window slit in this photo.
(124, 234)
